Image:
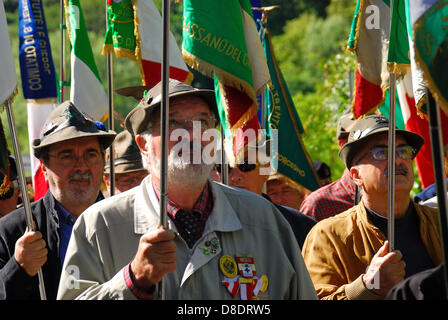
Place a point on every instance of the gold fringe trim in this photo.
(358, 24)
(5, 186)
(229, 79)
(189, 78)
(119, 52)
(67, 24)
(42, 101)
(400, 69)
(419, 106)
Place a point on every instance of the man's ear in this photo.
(141, 144)
(355, 174)
(44, 170)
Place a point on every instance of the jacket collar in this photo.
(147, 210)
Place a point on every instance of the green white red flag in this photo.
(87, 90)
(135, 31)
(220, 40)
(369, 39)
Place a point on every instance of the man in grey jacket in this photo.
(220, 242)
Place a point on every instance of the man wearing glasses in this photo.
(71, 149)
(347, 255)
(220, 242)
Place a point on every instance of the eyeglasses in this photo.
(243, 167)
(69, 159)
(129, 179)
(380, 153)
(204, 123)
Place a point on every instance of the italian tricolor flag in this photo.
(369, 39)
(87, 90)
(135, 31)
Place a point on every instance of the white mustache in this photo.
(80, 176)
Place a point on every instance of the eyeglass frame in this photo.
(76, 158)
(385, 147)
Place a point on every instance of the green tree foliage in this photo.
(312, 56)
(309, 41)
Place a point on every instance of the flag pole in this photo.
(224, 165)
(23, 189)
(391, 165)
(164, 118)
(439, 174)
(62, 28)
(110, 95)
(391, 157)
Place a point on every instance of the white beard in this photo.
(180, 169)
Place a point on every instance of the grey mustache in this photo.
(78, 176)
(398, 170)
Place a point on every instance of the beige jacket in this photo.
(106, 236)
(338, 250)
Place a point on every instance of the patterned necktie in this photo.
(189, 223)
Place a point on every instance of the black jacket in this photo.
(14, 282)
(300, 223)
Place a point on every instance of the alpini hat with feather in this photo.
(66, 122)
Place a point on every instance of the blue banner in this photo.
(36, 63)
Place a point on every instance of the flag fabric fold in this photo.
(8, 76)
(120, 38)
(398, 61)
(369, 39)
(290, 157)
(135, 31)
(220, 40)
(38, 79)
(415, 123)
(8, 90)
(87, 90)
(429, 23)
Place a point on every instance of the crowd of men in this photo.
(258, 237)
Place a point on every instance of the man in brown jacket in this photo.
(347, 255)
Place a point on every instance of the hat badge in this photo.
(357, 134)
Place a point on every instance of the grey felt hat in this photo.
(67, 122)
(137, 120)
(127, 157)
(368, 127)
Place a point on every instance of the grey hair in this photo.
(147, 135)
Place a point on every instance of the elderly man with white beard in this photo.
(219, 243)
(71, 149)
